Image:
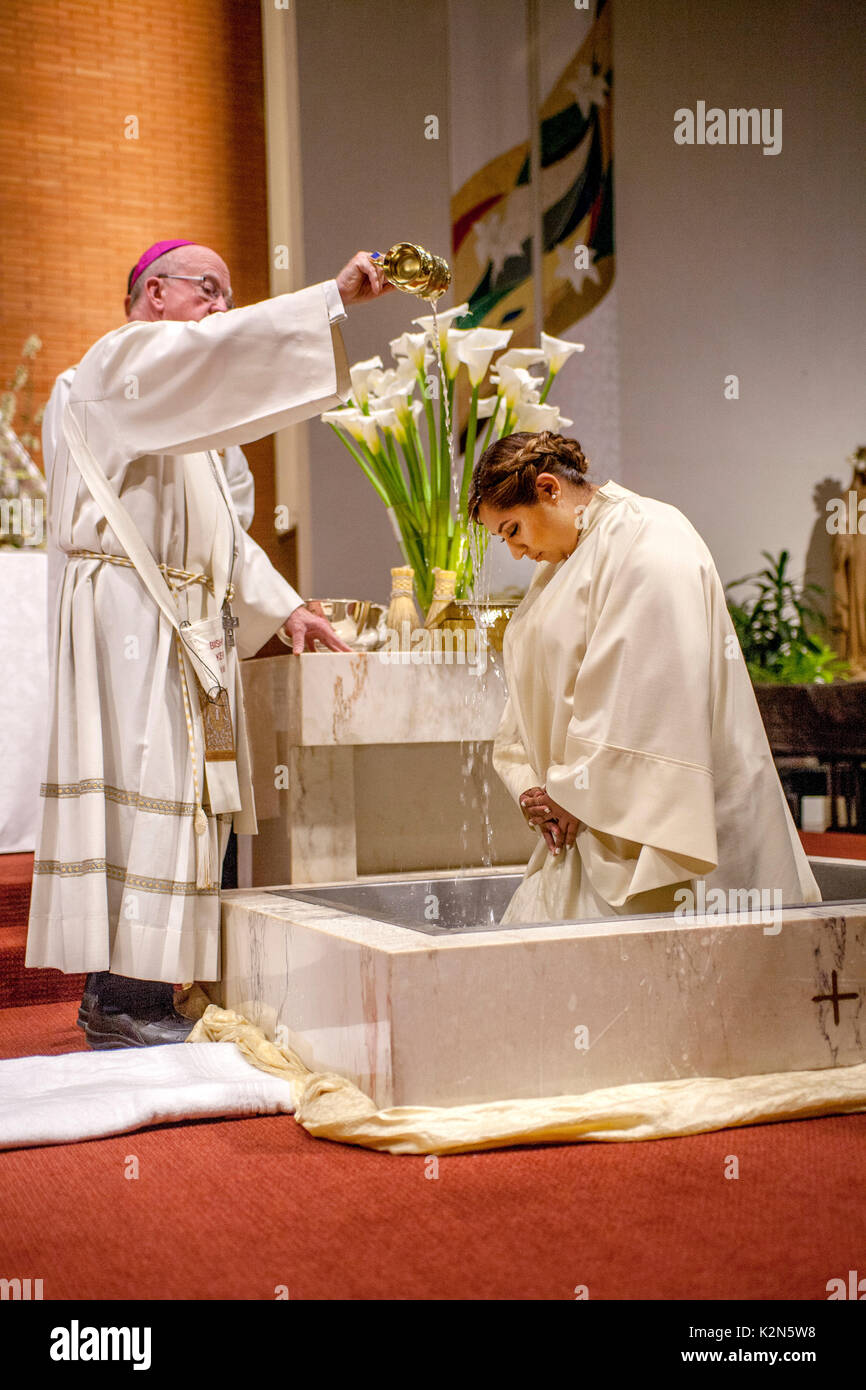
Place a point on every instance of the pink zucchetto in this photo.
(152, 254)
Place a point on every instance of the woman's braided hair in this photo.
(505, 474)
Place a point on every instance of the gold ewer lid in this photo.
(415, 270)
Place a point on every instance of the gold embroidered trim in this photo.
(68, 869)
(158, 805)
(216, 717)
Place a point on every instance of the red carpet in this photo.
(833, 844)
(231, 1209)
(17, 984)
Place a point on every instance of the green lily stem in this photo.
(433, 455)
(443, 448)
(489, 434)
(395, 471)
(412, 546)
(433, 445)
(469, 456)
(416, 482)
(418, 448)
(546, 387)
(362, 464)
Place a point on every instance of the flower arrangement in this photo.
(19, 476)
(413, 473)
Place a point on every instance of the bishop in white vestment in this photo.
(134, 819)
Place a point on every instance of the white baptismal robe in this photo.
(115, 867)
(630, 702)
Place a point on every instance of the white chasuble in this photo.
(115, 884)
(629, 700)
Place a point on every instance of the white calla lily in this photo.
(557, 351)
(516, 384)
(395, 400)
(395, 413)
(445, 317)
(411, 347)
(454, 340)
(407, 372)
(364, 377)
(477, 349)
(370, 434)
(534, 419)
(476, 360)
(520, 357)
(493, 405)
(385, 418)
(393, 382)
(360, 426)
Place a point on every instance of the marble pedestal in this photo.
(363, 766)
(494, 1014)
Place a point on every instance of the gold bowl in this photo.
(493, 618)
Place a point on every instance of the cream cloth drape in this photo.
(630, 701)
(330, 1107)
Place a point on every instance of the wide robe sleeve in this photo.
(263, 599)
(510, 758)
(185, 387)
(636, 760)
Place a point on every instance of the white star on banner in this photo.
(576, 274)
(588, 89)
(495, 241)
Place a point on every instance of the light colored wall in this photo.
(728, 260)
(732, 261)
(370, 73)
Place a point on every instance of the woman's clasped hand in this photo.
(558, 826)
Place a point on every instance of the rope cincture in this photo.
(170, 571)
(179, 579)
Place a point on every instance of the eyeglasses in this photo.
(211, 288)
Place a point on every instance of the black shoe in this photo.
(106, 1030)
(89, 1001)
(106, 993)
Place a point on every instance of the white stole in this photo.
(210, 541)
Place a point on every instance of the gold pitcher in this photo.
(415, 270)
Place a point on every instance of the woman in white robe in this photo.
(631, 737)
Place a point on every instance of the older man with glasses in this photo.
(237, 471)
(162, 591)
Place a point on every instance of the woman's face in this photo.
(549, 530)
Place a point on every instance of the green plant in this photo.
(771, 628)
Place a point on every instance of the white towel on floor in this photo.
(86, 1095)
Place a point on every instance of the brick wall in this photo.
(81, 200)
